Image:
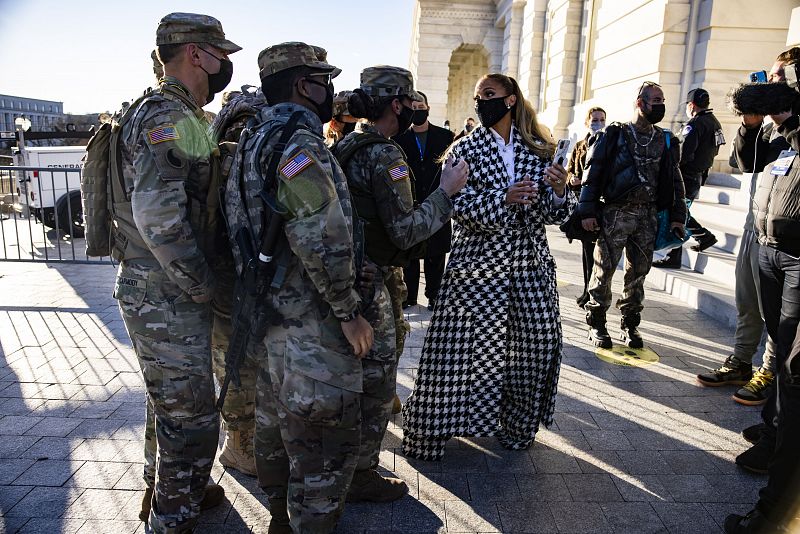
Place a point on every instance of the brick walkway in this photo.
(634, 450)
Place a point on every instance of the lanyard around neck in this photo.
(420, 147)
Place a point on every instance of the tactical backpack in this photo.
(102, 181)
(379, 248)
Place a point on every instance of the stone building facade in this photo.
(43, 114)
(570, 55)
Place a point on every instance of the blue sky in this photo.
(93, 55)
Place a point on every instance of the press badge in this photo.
(783, 163)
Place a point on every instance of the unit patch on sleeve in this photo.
(399, 172)
(296, 164)
(162, 133)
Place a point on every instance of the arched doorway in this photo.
(467, 64)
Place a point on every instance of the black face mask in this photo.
(420, 117)
(468, 128)
(324, 109)
(220, 79)
(348, 127)
(405, 118)
(491, 111)
(656, 113)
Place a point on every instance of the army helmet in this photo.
(340, 104)
(385, 80)
(279, 57)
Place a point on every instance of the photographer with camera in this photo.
(776, 204)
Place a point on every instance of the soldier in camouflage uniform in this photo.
(310, 383)
(342, 122)
(381, 185)
(165, 283)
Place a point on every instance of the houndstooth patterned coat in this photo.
(491, 356)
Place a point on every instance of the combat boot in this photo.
(630, 335)
(279, 523)
(237, 453)
(212, 497)
(598, 334)
(369, 485)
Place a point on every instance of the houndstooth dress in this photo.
(491, 356)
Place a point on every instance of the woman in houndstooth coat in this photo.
(491, 357)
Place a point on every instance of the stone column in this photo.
(531, 49)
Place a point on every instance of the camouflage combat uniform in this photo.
(378, 175)
(164, 282)
(309, 388)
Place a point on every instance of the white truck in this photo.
(52, 195)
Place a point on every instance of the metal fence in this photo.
(42, 216)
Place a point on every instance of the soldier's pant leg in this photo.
(380, 380)
(393, 279)
(150, 446)
(238, 412)
(638, 259)
(172, 338)
(272, 461)
(614, 233)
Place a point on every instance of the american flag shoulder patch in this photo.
(296, 164)
(398, 172)
(162, 133)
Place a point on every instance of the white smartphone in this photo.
(562, 148)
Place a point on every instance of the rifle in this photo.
(253, 310)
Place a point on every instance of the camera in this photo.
(792, 73)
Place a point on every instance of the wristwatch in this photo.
(350, 316)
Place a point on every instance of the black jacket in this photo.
(611, 174)
(755, 147)
(698, 144)
(426, 175)
(777, 199)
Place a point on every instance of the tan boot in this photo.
(212, 497)
(397, 407)
(237, 453)
(279, 523)
(371, 486)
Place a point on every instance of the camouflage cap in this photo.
(180, 28)
(276, 58)
(385, 80)
(340, 103)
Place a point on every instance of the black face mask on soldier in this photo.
(405, 118)
(656, 113)
(324, 109)
(220, 79)
(491, 110)
(420, 117)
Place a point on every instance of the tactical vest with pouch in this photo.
(378, 245)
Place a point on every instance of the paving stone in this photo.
(527, 516)
(99, 504)
(607, 440)
(645, 463)
(633, 518)
(45, 502)
(741, 487)
(14, 448)
(10, 469)
(11, 495)
(504, 461)
(719, 511)
(689, 488)
(552, 461)
(366, 516)
(691, 462)
(583, 517)
(48, 473)
(464, 461)
(543, 488)
(646, 488)
(131, 479)
(19, 406)
(12, 524)
(471, 517)
(446, 487)
(592, 487)
(38, 525)
(484, 487)
(100, 475)
(104, 450)
(54, 427)
(418, 516)
(96, 428)
(49, 448)
(600, 462)
(686, 518)
(16, 425)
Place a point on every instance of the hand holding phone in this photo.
(562, 148)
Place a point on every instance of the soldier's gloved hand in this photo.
(368, 272)
(678, 229)
(359, 334)
(454, 176)
(202, 294)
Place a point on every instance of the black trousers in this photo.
(587, 258)
(779, 274)
(434, 269)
